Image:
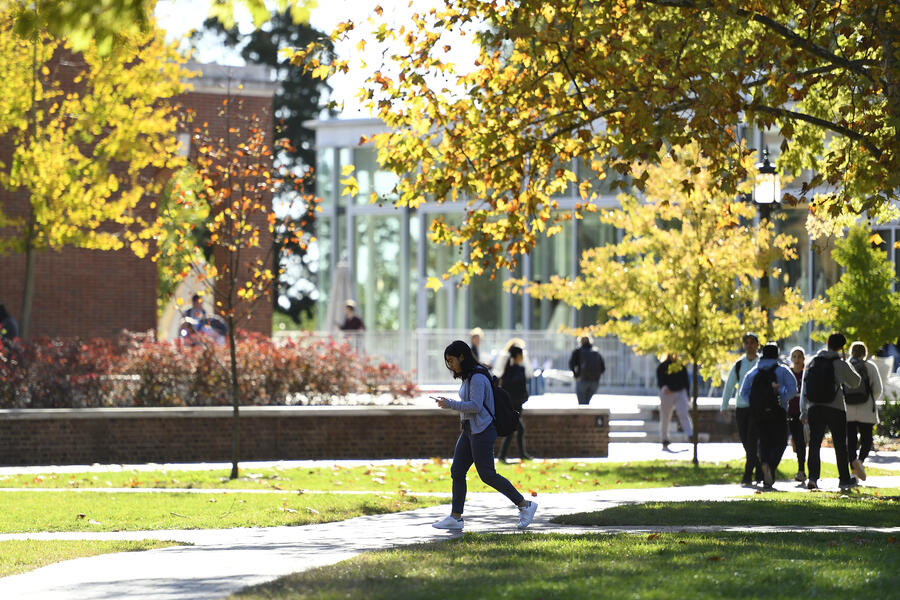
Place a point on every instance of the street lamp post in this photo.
(766, 193)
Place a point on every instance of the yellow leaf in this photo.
(876, 239)
(434, 284)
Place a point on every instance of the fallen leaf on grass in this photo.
(212, 500)
(533, 493)
(312, 510)
(653, 536)
(175, 514)
(287, 510)
(715, 558)
(80, 516)
(93, 522)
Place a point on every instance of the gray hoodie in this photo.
(843, 373)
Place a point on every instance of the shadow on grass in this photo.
(659, 566)
(819, 509)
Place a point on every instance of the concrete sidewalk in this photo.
(221, 562)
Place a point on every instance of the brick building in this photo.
(92, 293)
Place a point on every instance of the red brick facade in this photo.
(86, 436)
(91, 293)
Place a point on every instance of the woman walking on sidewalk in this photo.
(796, 427)
(476, 441)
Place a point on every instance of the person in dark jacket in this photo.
(9, 329)
(513, 381)
(587, 378)
(672, 380)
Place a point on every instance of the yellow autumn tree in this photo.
(683, 279)
(604, 83)
(90, 136)
(232, 182)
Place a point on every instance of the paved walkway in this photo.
(221, 562)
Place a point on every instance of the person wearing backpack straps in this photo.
(742, 411)
(673, 395)
(767, 390)
(822, 406)
(476, 441)
(587, 366)
(515, 384)
(862, 411)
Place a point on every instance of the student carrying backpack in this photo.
(862, 409)
(822, 407)
(484, 411)
(587, 366)
(767, 389)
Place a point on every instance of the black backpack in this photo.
(861, 394)
(506, 418)
(763, 397)
(819, 380)
(591, 365)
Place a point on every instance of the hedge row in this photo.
(135, 370)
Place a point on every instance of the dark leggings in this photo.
(799, 439)
(520, 437)
(835, 420)
(750, 442)
(477, 448)
(865, 439)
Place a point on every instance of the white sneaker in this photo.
(526, 514)
(858, 470)
(449, 522)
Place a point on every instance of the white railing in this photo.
(422, 352)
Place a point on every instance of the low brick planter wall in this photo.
(140, 435)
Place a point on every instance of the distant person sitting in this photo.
(9, 329)
(196, 311)
(352, 322)
(587, 366)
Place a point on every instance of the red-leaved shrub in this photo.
(138, 371)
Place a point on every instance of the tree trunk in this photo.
(27, 293)
(695, 413)
(235, 403)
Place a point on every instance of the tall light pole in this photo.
(766, 193)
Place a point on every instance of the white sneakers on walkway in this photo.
(449, 522)
(526, 514)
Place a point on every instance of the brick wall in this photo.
(86, 436)
(90, 293)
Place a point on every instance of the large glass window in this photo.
(371, 178)
(443, 307)
(795, 272)
(552, 256)
(378, 270)
(324, 233)
(324, 175)
(592, 233)
(825, 272)
(486, 298)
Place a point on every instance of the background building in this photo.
(389, 259)
(92, 293)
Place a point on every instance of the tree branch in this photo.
(790, 114)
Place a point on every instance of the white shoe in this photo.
(449, 522)
(858, 470)
(526, 514)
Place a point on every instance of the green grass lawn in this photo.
(542, 476)
(18, 556)
(658, 566)
(22, 512)
(879, 508)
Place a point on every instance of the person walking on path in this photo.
(795, 425)
(862, 411)
(587, 366)
(767, 389)
(822, 406)
(673, 395)
(742, 411)
(476, 442)
(513, 381)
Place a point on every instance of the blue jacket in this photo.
(787, 383)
